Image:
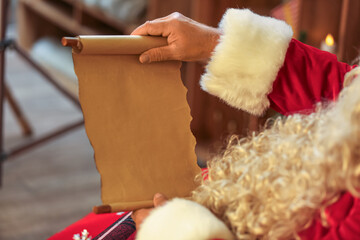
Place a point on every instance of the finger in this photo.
(154, 28)
(159, 200)
(157, 54)
(140, 30)
(139, 216)
(134, 215)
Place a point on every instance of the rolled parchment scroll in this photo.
(137, 120)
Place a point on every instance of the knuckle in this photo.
(147, 24)
(174, 23)
(177, 15)
(174, 14)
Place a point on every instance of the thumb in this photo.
(159, 199)
(156, 55)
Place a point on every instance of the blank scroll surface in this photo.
(137, 120)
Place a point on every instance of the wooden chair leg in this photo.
(25, 126)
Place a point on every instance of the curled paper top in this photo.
(117, 44)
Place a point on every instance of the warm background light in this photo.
(329, 40)
(328, 44)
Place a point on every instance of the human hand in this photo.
(139, 215)
(187, 39)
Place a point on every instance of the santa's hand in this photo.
(139, 215)
(187, 39)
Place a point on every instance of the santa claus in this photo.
(300, 177)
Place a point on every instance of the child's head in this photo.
(273, 184)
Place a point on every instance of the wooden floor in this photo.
(50, 187)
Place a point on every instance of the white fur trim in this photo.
(181, 219)
(245, 63)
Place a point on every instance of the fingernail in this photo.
(157, 195)
(144, 58)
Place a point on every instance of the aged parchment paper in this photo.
(137, 120)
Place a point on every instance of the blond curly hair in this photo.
(272, 185)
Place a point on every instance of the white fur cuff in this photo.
(245, 63)
(181, 219)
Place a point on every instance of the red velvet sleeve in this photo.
(308, 76)
(344, 219)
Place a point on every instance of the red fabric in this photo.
(132, 237)
(122, 229)
(307, 77)
(204, 173)
(310, 76)
(94, 223)
(344, 219)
